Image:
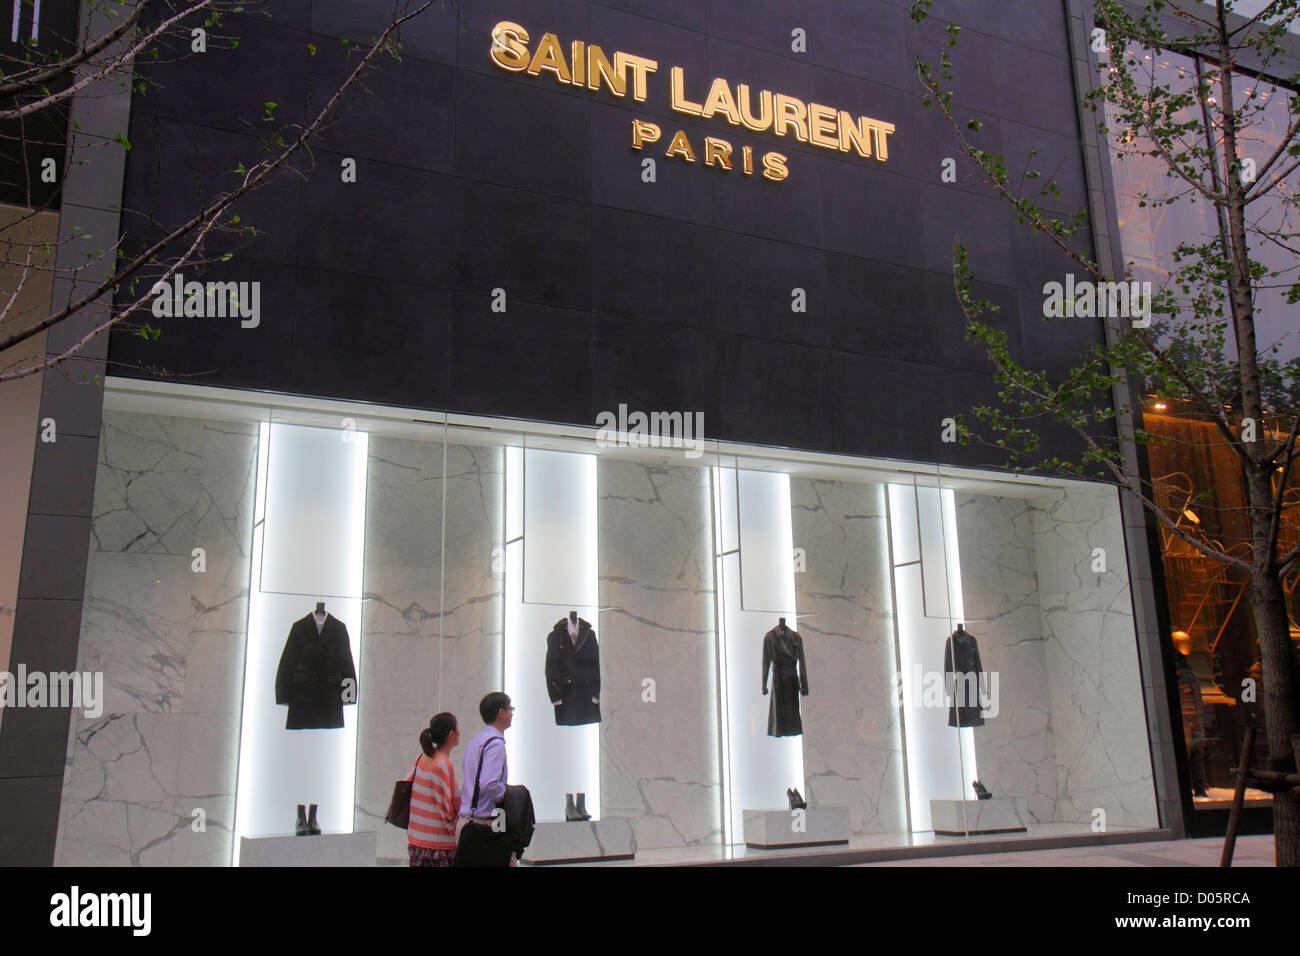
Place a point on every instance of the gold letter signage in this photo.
(758, 111)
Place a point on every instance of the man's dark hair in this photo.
(491, 705)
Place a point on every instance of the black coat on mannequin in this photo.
(783, 654)
(312, 670)
(963, 672)
(573, 674)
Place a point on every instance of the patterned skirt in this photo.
(427, 856)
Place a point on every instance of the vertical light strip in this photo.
(957, 614)
(248, 741)
(895, 656)
(923, 526)
(17, 21)
(720, 617)
(308, 545)
(354, 513)
(552, 512)
(442, 561)
(512, 587)
(759, 768)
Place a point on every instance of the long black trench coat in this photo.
(962, 675)
(783, 654)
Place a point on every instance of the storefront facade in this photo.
(638, 310)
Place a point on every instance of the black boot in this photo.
(300, 829)
(570, 811)
(582, 807)
(312, 826)
(981, 791)
(797, 802)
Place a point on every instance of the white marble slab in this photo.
(658, 757)
(1103, 755)
(1015, 750)
(321, 849)
(962, 817)
(815, 826)
(1070, 736)
(852, 742)
(414, 593)
(575, 841)
(152, 780)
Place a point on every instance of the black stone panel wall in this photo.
(670, 295)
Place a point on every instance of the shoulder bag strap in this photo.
(473, 804)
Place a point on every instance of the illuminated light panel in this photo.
(309, 528)
(551, 568)
(752, 509)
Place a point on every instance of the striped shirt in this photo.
(433, 805)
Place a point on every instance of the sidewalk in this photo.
(1250, 851)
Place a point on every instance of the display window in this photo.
(712, 651)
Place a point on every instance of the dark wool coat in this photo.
(573, 674)
(962, 670)
(312, 670)
(783, 653)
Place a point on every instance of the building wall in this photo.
(55, 542)
(670, 295)
(21, 398)
(674, 296)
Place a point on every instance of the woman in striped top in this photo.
(435, 801)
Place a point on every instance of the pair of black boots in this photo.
(797, 802)
(576, 812)
(307, 825)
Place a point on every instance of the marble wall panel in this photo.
(1014, 750)
(119, 794)
(167, 485)
(169, 639)
(851, 735)
(659, 759)
(1099, 724)
(407, 672)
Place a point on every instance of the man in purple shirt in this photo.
(484, 841)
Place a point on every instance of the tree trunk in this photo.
(1268, 601)
(1278, 693)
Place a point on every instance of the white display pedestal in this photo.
(581, 842)
(962, 817)
(819, 826)
(321, 849)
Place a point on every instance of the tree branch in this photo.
(254, 177)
